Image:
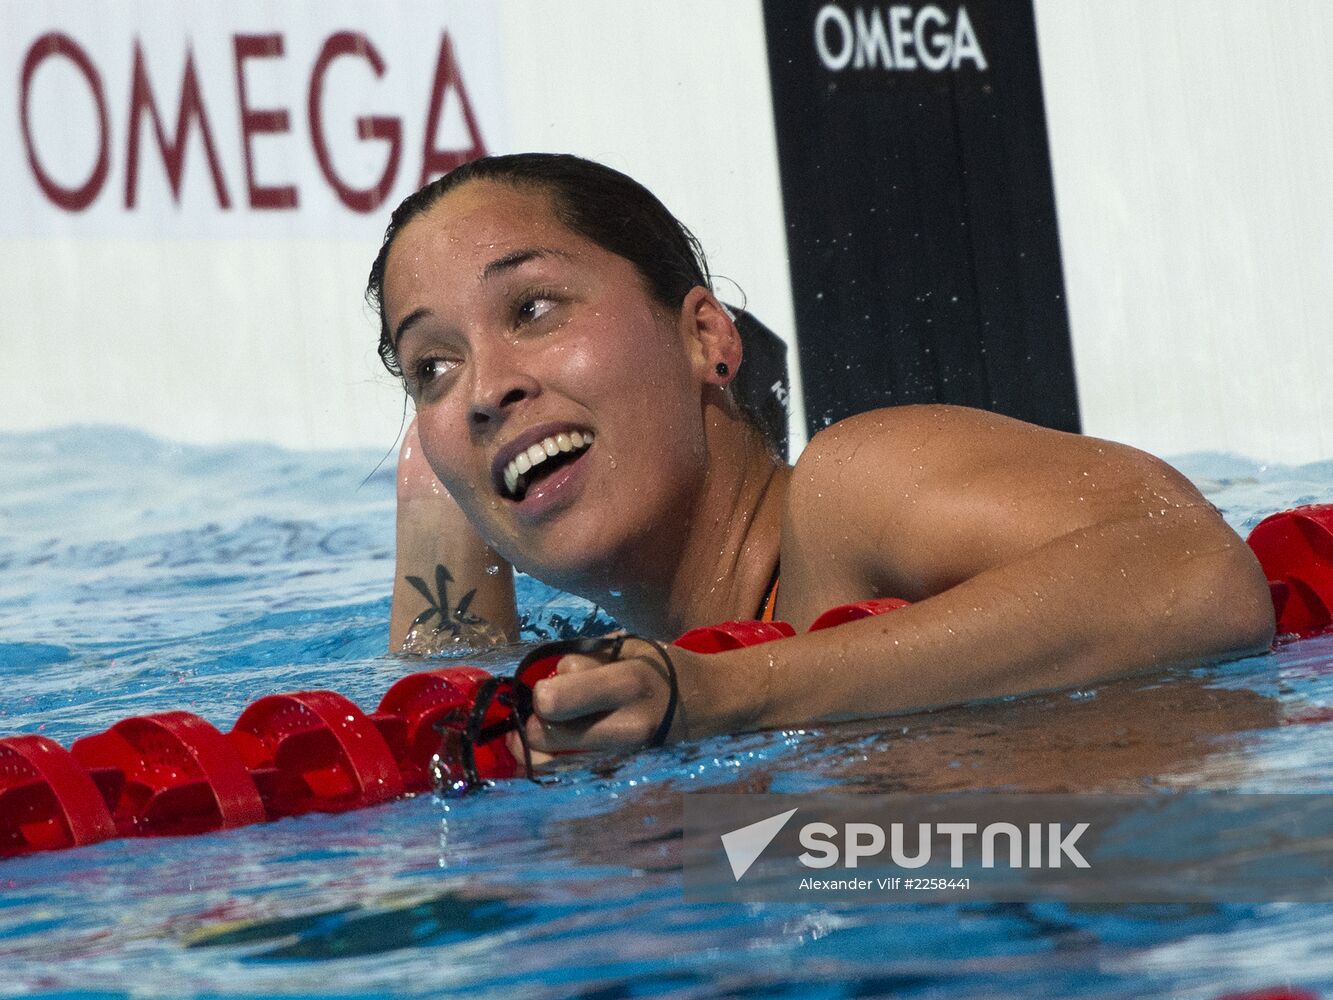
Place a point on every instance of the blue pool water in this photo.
(138, 575)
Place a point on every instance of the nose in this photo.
(498, 386)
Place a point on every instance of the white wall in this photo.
(1192, 143)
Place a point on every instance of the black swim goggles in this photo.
(503, 705)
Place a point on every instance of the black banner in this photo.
(916, 181)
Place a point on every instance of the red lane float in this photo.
(47, 799)
(732, 635)
(853, 612)
(315, 751)
(170, 773)
(174, 773)
(425, 705)
(1295, 549)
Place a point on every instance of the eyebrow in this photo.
(516, 258)
(501, 265)
(408, 322)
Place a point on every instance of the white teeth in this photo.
(536, 454)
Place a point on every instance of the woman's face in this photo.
(557, 400)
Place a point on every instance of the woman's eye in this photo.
(428, 370)
(535, 308)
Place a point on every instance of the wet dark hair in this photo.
(600, 204)
(623, 217)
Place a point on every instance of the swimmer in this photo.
(573, 380)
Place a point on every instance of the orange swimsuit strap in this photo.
(771, 601)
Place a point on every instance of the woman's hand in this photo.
(595, 704)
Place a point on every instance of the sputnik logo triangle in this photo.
(744, 846)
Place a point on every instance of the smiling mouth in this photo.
(541, 460)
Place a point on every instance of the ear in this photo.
(710, 336)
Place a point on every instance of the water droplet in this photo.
(492, 570)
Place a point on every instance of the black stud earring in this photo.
(722, 369)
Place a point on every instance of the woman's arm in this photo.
(1108, 600)
(449, 586)
(1037, 560)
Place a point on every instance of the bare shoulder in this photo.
(900, 432)
(917, 498)
(928, 449)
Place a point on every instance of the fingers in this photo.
(515, 746)
(585, 687)
(574, 663)
(607, 731)
(590, 705)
